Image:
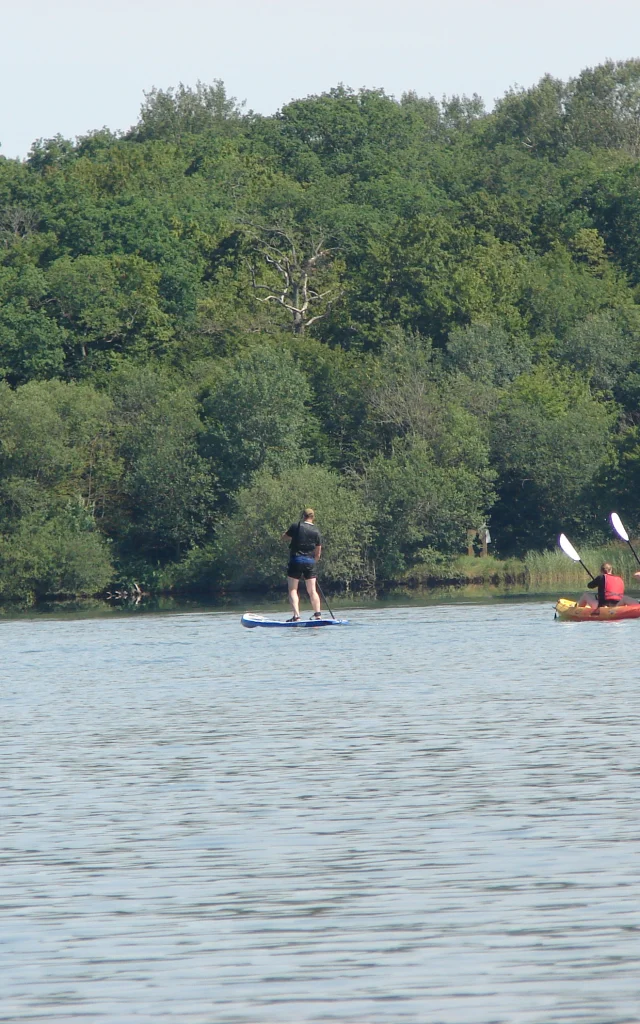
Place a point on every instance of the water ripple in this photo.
(432, 817)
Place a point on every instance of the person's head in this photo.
(605, 568)
(308, 515)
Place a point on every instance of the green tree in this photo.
(172, 114)
(61, 554)
(57, 470)
(533, 118)
(558, 291)
(619, 482)
(485, 352)
(57, 437)
(603, 107)
(255, 416)
(550, 440)
(605, 347)
(340, 431)
(412, 400)
(31, 342)
(419, 506)
(167, 491)
(109, 302)
(614, 202)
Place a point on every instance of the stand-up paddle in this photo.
(325, 600)
(569, 550)
(616, 522)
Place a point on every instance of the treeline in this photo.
(414, 315)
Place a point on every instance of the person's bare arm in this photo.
(317, 553)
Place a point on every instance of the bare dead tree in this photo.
(17, 222)
(298, 272)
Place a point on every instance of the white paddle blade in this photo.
(616, 522)
(568, 548)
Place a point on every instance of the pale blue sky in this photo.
(69, 66)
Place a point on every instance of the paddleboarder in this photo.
(305, 548)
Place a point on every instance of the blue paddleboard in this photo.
(251, 621)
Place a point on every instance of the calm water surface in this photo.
(431, 816)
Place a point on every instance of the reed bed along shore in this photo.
(540, 570)
(552, 567)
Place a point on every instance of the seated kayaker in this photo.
(610, 588)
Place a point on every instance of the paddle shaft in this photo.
(588, 571)
(635, 555)
(325, 600)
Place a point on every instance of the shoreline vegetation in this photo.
(417, 316)
(546, 569)
(547, 572)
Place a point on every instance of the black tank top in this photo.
(305, 538)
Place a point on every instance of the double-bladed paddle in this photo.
(616, 522)
(569, 550)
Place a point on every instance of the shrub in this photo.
(60, 555)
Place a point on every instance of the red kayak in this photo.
(574, 612)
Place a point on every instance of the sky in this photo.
(72, 66)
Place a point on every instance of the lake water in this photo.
(432, 815)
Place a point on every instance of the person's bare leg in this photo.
(314, 597)
(294, 600)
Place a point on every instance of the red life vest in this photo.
(613, 587)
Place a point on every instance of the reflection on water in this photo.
(274, 602)
(430, 816)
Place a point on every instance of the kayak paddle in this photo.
(616, 522)
(569, 550)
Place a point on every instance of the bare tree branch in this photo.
(296, 267)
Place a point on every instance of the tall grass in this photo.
(489, 570)
(546, 570)
(552, 567)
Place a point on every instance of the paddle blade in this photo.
(616, 522)
(568, 548)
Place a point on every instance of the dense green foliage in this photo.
(416, 316)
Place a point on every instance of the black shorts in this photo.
(299, 571)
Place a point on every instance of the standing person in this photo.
(305, 548)
(610, 588)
